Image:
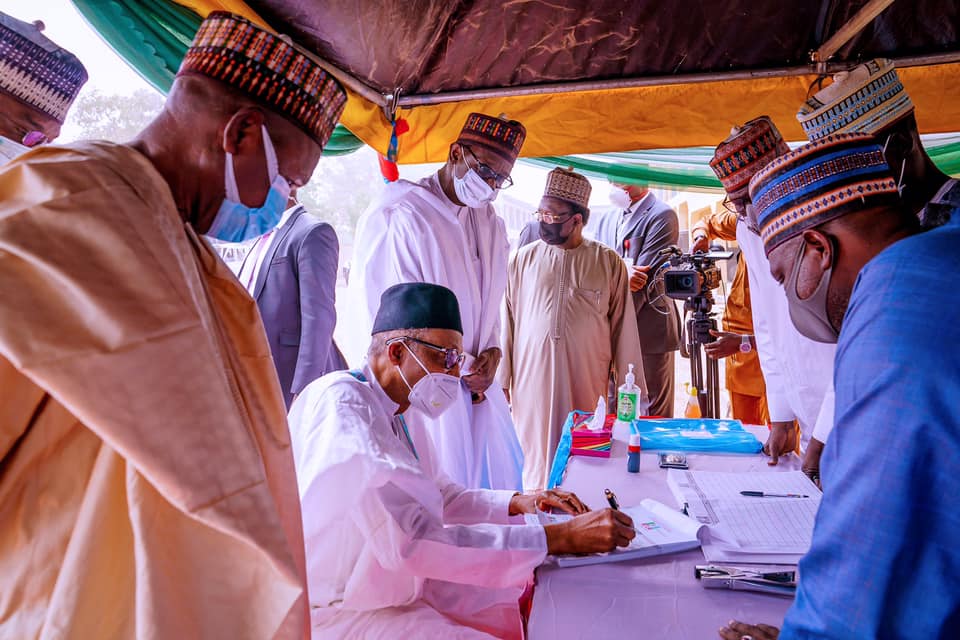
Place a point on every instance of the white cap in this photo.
(634, 439)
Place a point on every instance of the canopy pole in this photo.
(853, 26)
(417, 100)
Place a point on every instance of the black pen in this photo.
(761, 494)
(612, 499)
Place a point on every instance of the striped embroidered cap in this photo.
(503, 137)
(569, 186)
(35, 70)
(865, 99)
(269, 69)
(819, 182)
(748, 149)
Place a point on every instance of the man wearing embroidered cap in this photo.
(871, 99)
(144, 447)
(392, 550)
(444, 230)
(857, 272)
(798, 372)
(568, 324)
(38, 83)
(733, 160)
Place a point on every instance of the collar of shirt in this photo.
(386, 404)
(941, 198)
(642, 203)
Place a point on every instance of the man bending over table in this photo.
(884, 561)
(393, 551)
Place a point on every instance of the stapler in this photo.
(780, 583)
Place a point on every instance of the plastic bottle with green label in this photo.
(627, 397)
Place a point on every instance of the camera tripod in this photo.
(697, 334)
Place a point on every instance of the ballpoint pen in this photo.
(612, 499)
(762, 494)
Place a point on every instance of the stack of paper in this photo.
(660, 530)
(750, 529)
(586, 442)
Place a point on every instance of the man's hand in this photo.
(781, 441)
(481, 375)
(700, 243)
(638, 279)
(727, 344)
(591, 532)
(543, 500)
(742, 631)
(811, 460)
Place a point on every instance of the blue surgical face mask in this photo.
(235, 221)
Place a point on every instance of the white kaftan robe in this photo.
(393, 552)
(797, 371)
(414, 233)
(568, 323)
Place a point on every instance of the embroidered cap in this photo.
(567, 185)
(747, 150)
(819, 182)
(268, 69)
(417, 305)
(503, 137)
(865, 99)
(35, 70)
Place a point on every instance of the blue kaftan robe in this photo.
(885, 558)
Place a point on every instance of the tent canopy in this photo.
(584, 77)
(605, 75)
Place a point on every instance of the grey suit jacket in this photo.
(296, 292)
(652, 226)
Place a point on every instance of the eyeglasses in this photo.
(451, 357)
(732, 208)
(486, 173)
(552, 218)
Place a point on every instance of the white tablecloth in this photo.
(651, 598)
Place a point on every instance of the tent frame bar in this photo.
(417, 100)
(848, 31)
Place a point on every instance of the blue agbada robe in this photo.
(885, 558)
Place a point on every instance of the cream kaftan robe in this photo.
(568, 322)
(147, 486)
(414, 233)
(392, 551)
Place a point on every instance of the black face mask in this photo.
(552, 233)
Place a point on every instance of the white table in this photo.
(651, 598)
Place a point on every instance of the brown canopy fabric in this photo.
(605, 75)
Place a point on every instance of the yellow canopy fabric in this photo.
(624, 119)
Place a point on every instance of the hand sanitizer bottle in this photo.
(627, 397)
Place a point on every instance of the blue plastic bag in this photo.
(702, 435)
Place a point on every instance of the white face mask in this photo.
(471, 190)
(434, 393)
(619, 198)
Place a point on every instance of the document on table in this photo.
(766, 529)
(660, 530)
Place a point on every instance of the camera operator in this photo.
(744, 379)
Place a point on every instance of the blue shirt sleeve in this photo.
(885, 558)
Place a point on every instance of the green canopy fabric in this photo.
(152, 36)
(689, 168)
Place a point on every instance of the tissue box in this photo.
(584, 442)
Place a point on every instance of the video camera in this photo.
(691, 274)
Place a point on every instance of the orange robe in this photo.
(147, 487)
(743, 374)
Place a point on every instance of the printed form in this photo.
(749, 525)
